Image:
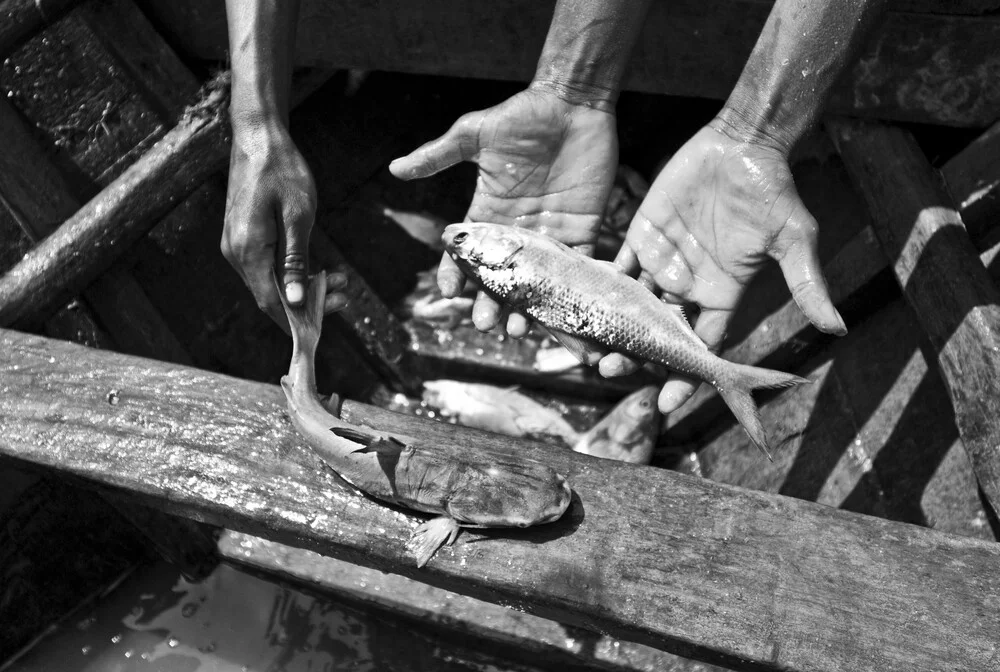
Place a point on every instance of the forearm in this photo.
(801, 53)
(261, 47)
(587, 48)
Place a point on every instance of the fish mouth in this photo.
(562, 502)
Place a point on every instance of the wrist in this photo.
(577, 93)
(755, 124)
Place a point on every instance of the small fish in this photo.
(465, 486)
(585, 301)
(448, 312)
(554, 360)
(497, 409)
(628, 432)
(421, 226)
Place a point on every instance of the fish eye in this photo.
(460, 238)
(644, 403)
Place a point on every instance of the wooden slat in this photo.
(21, 19)
(936, 265)
(918, 67)
(740, 578)
(528, 638)
(858, 274)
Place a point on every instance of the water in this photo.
(155, 620)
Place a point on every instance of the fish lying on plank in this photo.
(466, 487)
(627, 433)
(585, 301)
(497, 409)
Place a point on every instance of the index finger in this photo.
(260, 281)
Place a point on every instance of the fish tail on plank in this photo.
(736, 390)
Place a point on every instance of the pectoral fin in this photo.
(387, 449)
(586, 350)
(431, 536)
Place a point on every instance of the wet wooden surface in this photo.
(955, 300)
(918, 67)
(731, 576)
(21, 19)
(552, 644)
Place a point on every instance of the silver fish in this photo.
(582, 300)
(497, 409)
(421, 226)
(628, 432)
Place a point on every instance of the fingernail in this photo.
(338, 281)
(294, 292)
(841, 327)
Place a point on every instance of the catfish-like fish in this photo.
(583, 300)
(628, 432)
(466, 487)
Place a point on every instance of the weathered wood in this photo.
(21, 19)
(90, 241)
(745, 579)
(551, 644)
(918, 67)
(858, 274)
(936, 265)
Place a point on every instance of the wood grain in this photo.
(21, 19)
(955, 300)
(918, 67)
(749, 580)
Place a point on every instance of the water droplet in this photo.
(367, 320)
(173, 642)
(113, 397)
(480, 352)
(85, 650)
(129, 653)
(189, 609)
(805, 72)
(431, 414)
(116, 639)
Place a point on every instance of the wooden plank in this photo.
(21, 19)
(857, 277)
(919, 67)
(745, 579)
(936, 265)
(530, 638)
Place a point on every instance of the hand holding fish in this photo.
(720, 209)
(544, 164)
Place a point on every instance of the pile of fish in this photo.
(627, 433)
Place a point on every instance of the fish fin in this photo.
(736, 392)
(681, 312)
(430, 536)
(387, 449)
(586, 350)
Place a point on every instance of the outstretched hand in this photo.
(544, 164)
(717, 212)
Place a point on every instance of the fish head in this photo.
(511, 495)
(486, 252)
(639, 408)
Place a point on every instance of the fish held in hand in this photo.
(465, 486)
(628, 432)
(586, 301)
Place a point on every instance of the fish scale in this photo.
(581, 299)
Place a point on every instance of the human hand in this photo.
(544, 164)
(718, 211)
(270, 210)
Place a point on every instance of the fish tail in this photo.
(736, 390)
(306, 322)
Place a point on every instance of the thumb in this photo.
(295, 255)
(460, 143)
(799, 261)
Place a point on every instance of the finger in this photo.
(617, 364)
(335, 301)
(517, 325)
(627, 259)
(335, 281)
(298, 220)
(801, 267)
(259, 279)
(485, 312)
(460, 143)
(646, 280)
(711, 328)
(451, 280)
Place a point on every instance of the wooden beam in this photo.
(529, 639)
(21, 19)
(744, 579)
(925, 68)
(936, 265)
(858, 276)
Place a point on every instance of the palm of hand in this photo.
(545, 165)
(713, 216)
